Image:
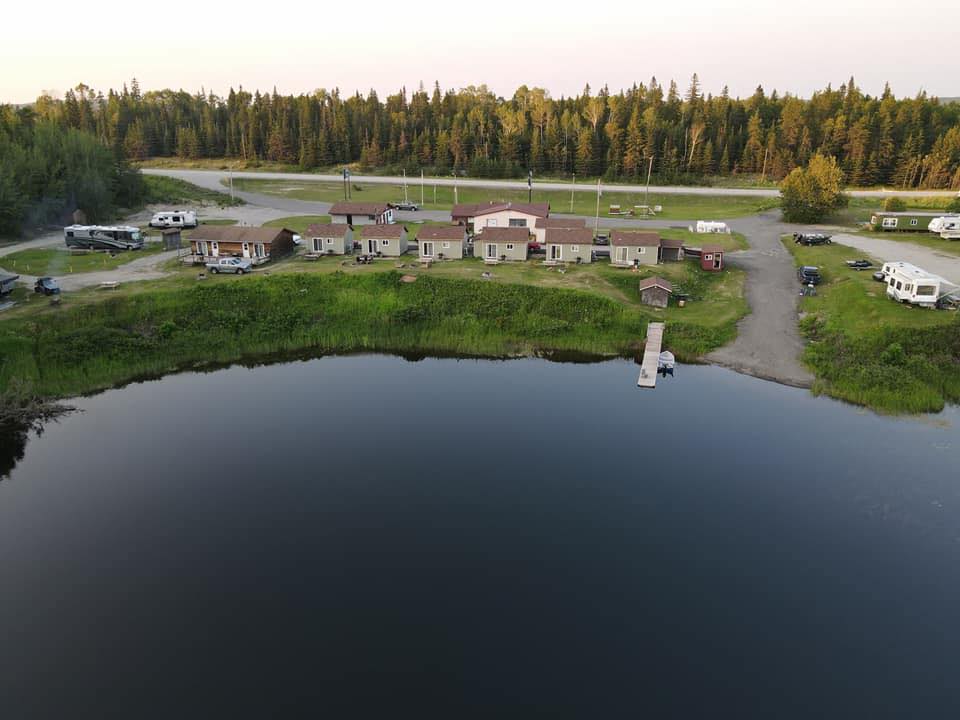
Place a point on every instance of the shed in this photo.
(655, 291)
(171, 239)
(711, 258)
(628, 248)
(441, 242)
(388, 240)
(329, 238)
(259, 244)
(569, 245)
(503, 243)
(361, 213)
(908, 221)
(671, 250)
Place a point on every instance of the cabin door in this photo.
(372, 247)
(491, 251)
(246, 250)
(427, 249)
(622, 255)
(555, 253)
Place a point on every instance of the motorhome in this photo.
(946, 226)
(708, 226)
(907, 283)
(174, 219)
(103, 237)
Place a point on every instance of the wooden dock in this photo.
(651, 356)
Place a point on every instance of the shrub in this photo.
(894, 204)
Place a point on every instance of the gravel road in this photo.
(939, 263)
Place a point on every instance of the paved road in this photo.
(211, 179)
(939, 263)
(768, 343)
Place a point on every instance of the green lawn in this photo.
(860, 209)
(687, 207)
(870, 350)
(61, 261)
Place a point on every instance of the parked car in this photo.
(230, 265)
(859, 264)
(809, 275)
(880, 276)
(811, 239)
(47, 286)
(405, 205)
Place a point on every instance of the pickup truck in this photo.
(230, 265)
(405, 205)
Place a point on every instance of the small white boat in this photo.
(665, 363)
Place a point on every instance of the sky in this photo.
(299, 47)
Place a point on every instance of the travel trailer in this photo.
(907, 283)
(708, 226)
(174, 219)
(946, 226)
(103, 237)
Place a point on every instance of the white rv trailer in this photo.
(907, 283)
(174, 219)
(948, 227)
(709, 226)
(103, 237)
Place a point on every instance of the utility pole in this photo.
(572, 183)
(231, 185)
(596, 224)
(345, 171)
(646, 198)
(405, 199)
(763, 173)
(434, 192)
(421, 188)
(529, 186)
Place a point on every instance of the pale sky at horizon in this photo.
(299, 47)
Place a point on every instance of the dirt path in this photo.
(939, 263)
(768, 343)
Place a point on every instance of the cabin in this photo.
(258, 244)
(478, 217)
(907, 283)
(361, 213)
(655, 291)
(904, 221)
(328, 239)
(569, 245)
(503, 244)
(384, 240)
(671, 250)
(441, 242)
(711, 258)
(8, 283)
(629, 248)
(543, 224)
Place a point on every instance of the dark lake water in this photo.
(367, 536)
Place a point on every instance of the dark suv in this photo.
(809, 275)
(811, 239)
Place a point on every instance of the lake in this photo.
(368, 536)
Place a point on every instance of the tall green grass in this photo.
(227, 320)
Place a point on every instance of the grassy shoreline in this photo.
(96, 346)
(868, 350)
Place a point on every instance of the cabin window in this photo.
(446, 246)
(384, 242)
(492, 222)
(329, 241)
(899, 285)
(708, 257)
(509, 246)
(574, 248)
(69, 233)
(913, 221)
(518, 222)
(926, 290)
(889, 222)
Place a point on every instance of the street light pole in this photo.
(421, 187)
(572, 183)
(646, 197)
(596, 224)
(529, 186)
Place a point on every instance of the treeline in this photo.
(48, 169)
(906, 143)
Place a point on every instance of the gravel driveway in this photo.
(939, 263)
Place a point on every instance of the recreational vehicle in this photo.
(103, 237)
(907, 283)
(709, 226)
(174, 219)
(947, 227)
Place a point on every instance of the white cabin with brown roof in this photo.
(361, 213)
(383, 240)
(502, 244)
(629, 248)
(443, 242)
(328, 239)
(543, 224)
(569, 245)
(258, 244)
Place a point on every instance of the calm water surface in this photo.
(367, 536)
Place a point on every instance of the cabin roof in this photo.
(549, 222)
(655, 281)
(633, 237)
(386, 232)
(441, 232)
(358, 208)
(711, 249)
(467, 210)
(331, 230)
(239, 234)
(504, 234)
(569, 236)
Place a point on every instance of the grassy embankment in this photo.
(171, 191)
(706, 207)
(866, 349)
(158, 327)
(60, 261)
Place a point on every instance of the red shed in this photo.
(711, 258)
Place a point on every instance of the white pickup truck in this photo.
(230, 265)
